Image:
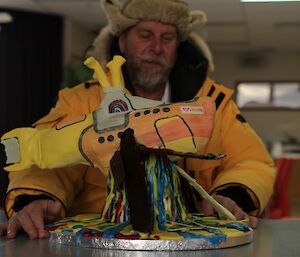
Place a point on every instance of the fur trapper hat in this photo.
(123, 16)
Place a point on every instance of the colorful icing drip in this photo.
(171, 219)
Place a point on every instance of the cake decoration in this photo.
(135, 142)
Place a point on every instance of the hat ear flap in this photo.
(117, 21)
(197, 20)
(111, 7)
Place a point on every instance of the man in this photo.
(165, 61)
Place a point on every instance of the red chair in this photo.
(279, 206)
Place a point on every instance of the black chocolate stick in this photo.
(118, 170)
(138, 197)
(162, 151)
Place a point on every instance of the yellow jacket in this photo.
(81, 189)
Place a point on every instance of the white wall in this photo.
(272, 124)
(275, 66)
(77, 39)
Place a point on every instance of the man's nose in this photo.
(156, 46)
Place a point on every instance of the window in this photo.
(268, 95)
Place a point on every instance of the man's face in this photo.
(150, 50)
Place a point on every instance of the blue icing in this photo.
(67, 231)
(159, 202)
(110, 233)
(77, 226)
(150, 190)
(80, 233)
(238, 226)
(215, 240)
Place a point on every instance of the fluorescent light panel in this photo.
(264, 1)
(5, 17)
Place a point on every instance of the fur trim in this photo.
(117, 21)
(175, 12)
(201, 44)
(197, 20)
(101, 45)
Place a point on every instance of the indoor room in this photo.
(250, 47)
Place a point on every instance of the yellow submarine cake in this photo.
(134, 142)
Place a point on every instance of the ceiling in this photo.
(232, 26)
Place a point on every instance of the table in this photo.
(272, 238)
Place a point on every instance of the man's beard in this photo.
(148, 71)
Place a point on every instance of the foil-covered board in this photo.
(149, 245)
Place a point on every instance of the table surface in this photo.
(272, 238)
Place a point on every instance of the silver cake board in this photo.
(149, 245)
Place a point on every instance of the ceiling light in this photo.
(265, 1)
(5, 17)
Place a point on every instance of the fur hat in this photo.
(123, 16)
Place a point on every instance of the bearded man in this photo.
(168, 61)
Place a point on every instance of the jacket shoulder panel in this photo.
(73, 102)
(220, 94)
